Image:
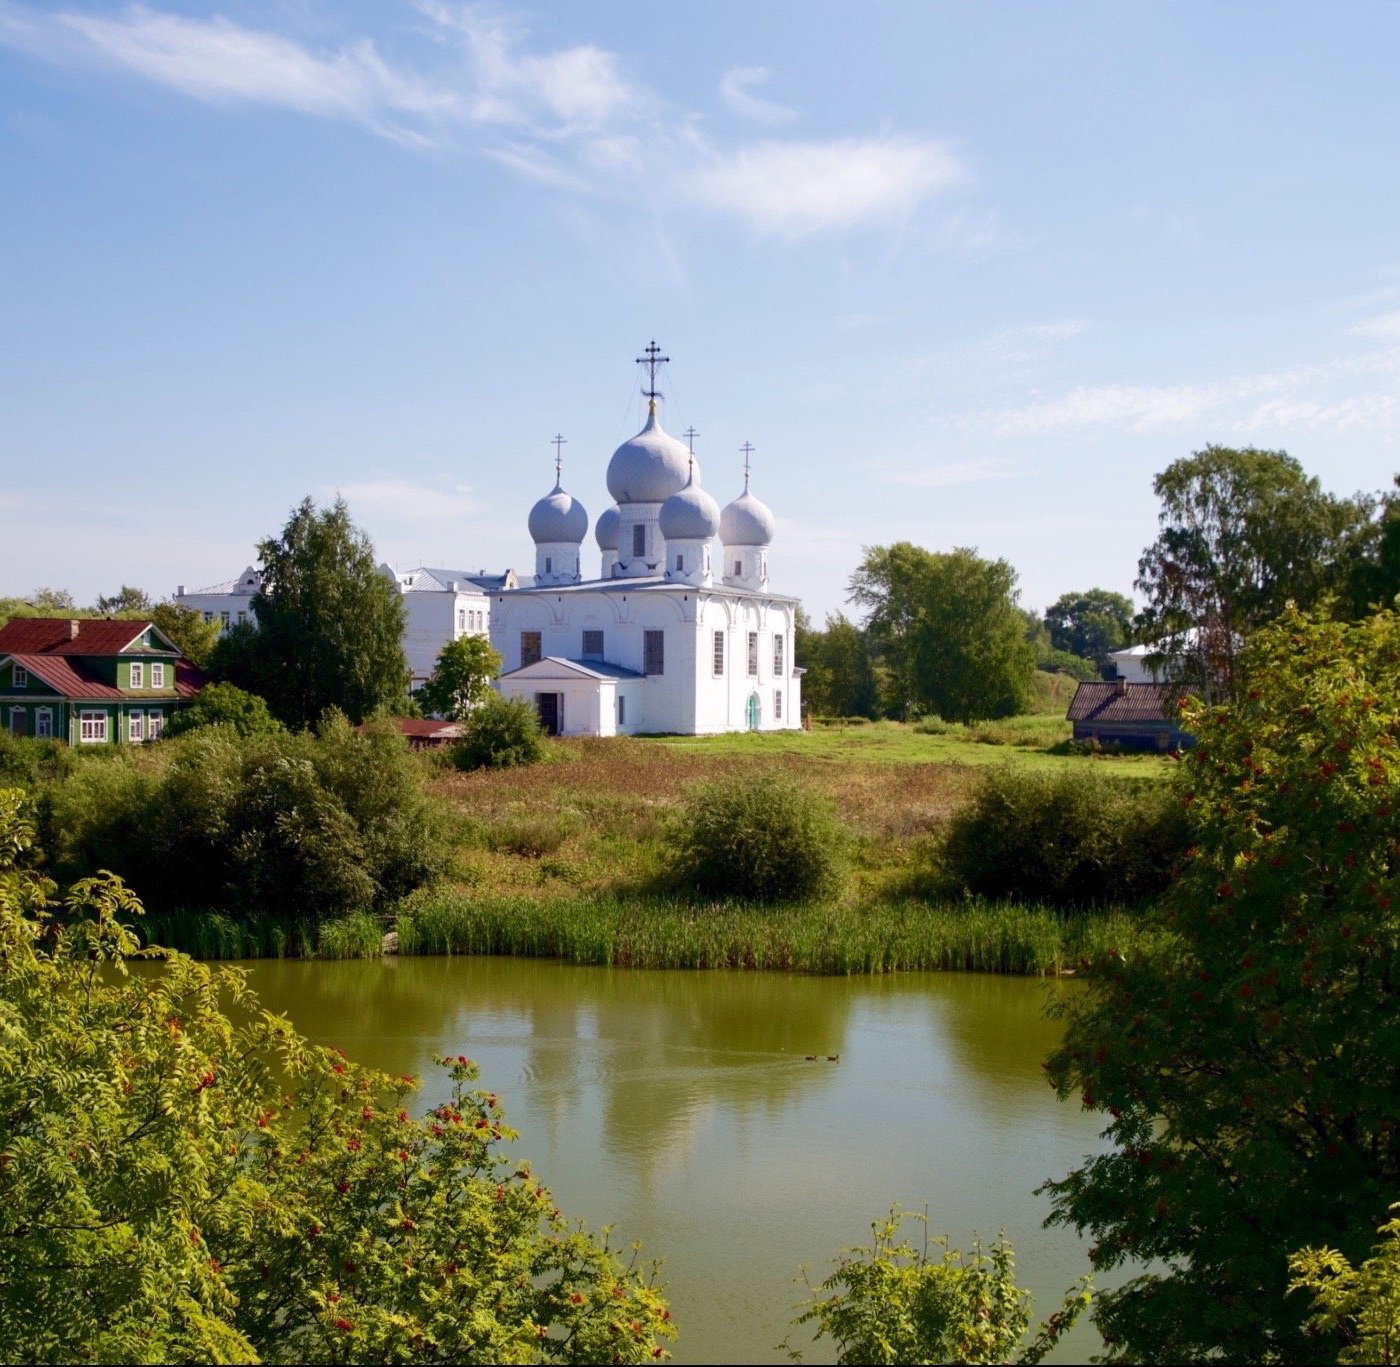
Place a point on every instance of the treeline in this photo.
(1242, 533)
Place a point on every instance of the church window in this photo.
(622, 711)
(753, 654)
(779, 644)
(138, 675)
(531, 649)
(592, 645)
(680, 564)
(653, 652)
(738, 569)
(639, 540)
(777, 704)
(549, 564)
(719, 654)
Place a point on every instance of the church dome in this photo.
(746, 522)
(558, 517)
(608, 529)
(649, 467)
(689, 514)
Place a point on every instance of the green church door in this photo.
(753, 711)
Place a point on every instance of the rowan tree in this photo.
(1250, 1064)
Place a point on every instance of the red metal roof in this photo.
(1138, 702)
(75, 636)
(73, 679)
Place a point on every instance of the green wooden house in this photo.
(97, 681)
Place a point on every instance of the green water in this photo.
(679, 1107)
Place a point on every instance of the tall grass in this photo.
(811, 937)
(213, 935)
(357, 936)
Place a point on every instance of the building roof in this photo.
(430, 579)
(653, 586)
(71, 678)
(1133, 702)
(426, 728)
(81, 636)
(556, 666)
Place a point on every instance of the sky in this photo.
(963, 274)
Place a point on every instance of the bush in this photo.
(225, 704)
(501, 733)
(1069, 839)
(766, 840)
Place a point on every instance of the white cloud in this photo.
(942, 476)
(796, 189)
(736, 90)
(407, 501)
(1386, 327)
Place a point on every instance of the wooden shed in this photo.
(1136, 716)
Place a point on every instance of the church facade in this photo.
(680, 633)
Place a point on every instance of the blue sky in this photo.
(962, 274)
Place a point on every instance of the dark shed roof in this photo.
(1133, 702)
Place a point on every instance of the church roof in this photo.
(649, 467)
(556, 666)
(657, 585)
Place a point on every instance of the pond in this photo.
(681, 1108)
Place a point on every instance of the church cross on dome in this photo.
(651, 360)
(558, 442)
(748, 449)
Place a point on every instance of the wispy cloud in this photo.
(796, 189)
(408, 500)
(736, 90)
(916, 476)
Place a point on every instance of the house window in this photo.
(208, 616)
(20, 678)
(133, 727)
(753, 654)
(138, 676)
(43, 723)
(653, 652)
(639, 540)
(155, 725)
(622, 711)
(531, 650)
(779, 649)
(19, 722)
(242, 617)
(592, 645)
(157, 676)
(223, 617)
(461, 619)
(777, 704)
(718, 657)
(92, 727)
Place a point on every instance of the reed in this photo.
(806, 937)
(357, 936)
(213, 935)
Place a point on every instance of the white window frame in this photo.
(19, 677)
(224, 618)
(155, 725)
(461, 619)
(779, 654)
(135, 730)
(777, 704)
(138, 674)
(20, 715)
(717, 655)
(157, 674)
(92, 726)
(43, 723)
(753, 655)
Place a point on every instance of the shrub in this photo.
(225, 704)
(1065, 840)
(766, 839)
(501, 733)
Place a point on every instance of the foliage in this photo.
(225, 704)
(1243, 532)
(329, 624)
(1373, 577)
(768, 840)
(1361, 1305)
(193, 636)
(126, 602)
(1251, 1067)
(41, 603)
(894, 1303)
(501, 733)
(461, 678)
(1063, 839)
(840, 678)
(29, 763)
(1090, 624)
(307, 826)
(948, 626)
(1062, 662)
(188, 1180)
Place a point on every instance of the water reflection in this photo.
(683, 1107)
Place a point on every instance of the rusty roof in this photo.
(73, 679)
(1102, 702)
(79, 636)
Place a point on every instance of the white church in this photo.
(680, 632)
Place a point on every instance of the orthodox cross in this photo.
(690, 434)
(748, 449)
(651, 360)
(558, 442)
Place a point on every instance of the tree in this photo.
(193, 636)
(1250, 1062)
(840, 678)
(1090, 624)
(948, 626)
(1243, 532)
(501, 733)
(187, 1179)
(1373, 578)
(126, 602)
(1361, 1305)
(461, 678)
(330, 626)
(225, 704)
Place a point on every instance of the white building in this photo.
(680, 632)
(439, 606)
